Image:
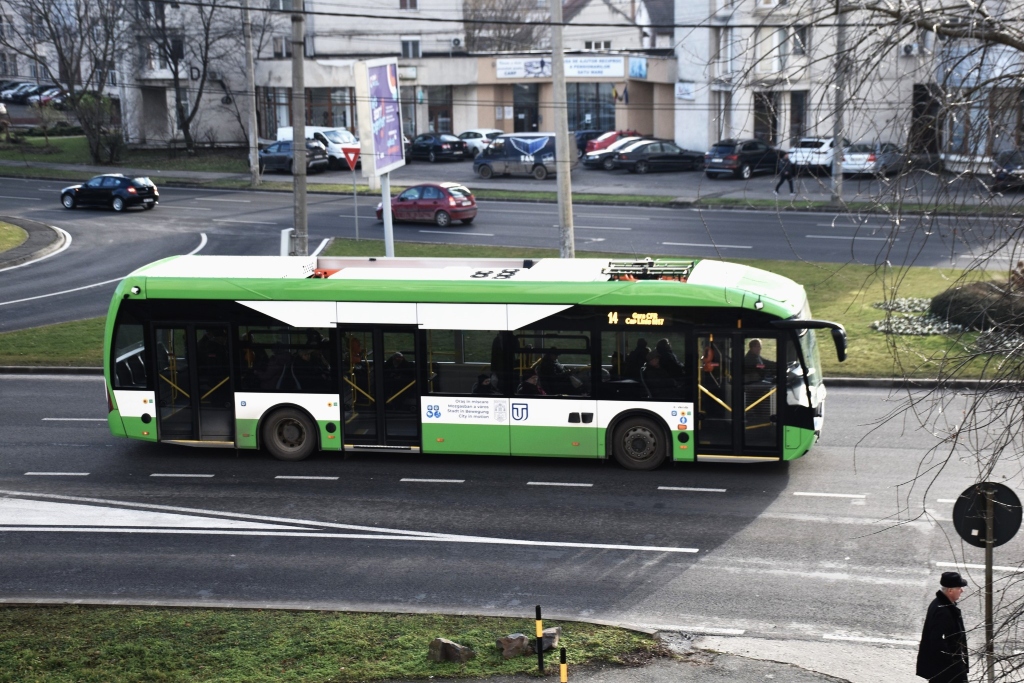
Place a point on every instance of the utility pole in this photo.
(299, 135)
(563, 155)
(840, 95)
(250, 89)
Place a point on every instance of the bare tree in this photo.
(519, 29)
(79, 41)
(192, 40)
(944, 80)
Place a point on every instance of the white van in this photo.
(333, 140)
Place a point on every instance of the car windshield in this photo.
(448, 138)
(142, 182)
(861, 148)
(812, 144)
(459, 191)
(607, 135)
(1007, 158)
(723, 149)
(619, 144)
(339, 137)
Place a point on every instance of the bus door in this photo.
(194, 389)
(737, 385)
(380, 388)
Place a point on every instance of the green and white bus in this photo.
(642, 361)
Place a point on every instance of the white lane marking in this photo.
(458, 234)
(534, 213)
(625, 218)
(375, 533)
(829, 495)
(44, 513)
(231, 220)
(195, 476)
(704, 630)
(28, 199)
(281, 476)
(56, 474)
(946, 500)
(165, 205)
(434, 481)
(880, 641)
(851, 237)
(323, 245)
(857, 227)
(689, 488)
(998, 568)
(595, 227)
(67, 243)
(233, 201)
(202, 243)
(74, 419)
(556, 483)
(709, 246)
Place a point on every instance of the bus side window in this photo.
(130, 357)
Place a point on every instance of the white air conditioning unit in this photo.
(456, 42)
(212, 75)
(911, 50)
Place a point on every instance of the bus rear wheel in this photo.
(638, 444)
(288, 434)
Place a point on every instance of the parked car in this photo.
(876, 158)
(478, 138)
(657, 155)
(114, 190)
(3, 109)
(438, 203)
(436, 146)
(605, 139)
(21, 95)
(740, 159)
(8, 94)
(814, 154)
(1008, 170)
(10, 85)
(333, 140)
(44, 97)
(518, 154)
(583, 137)
(605, 158)
(279, 157)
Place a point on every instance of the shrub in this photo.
(980, 306)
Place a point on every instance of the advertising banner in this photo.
(380, 115)
(575, 67)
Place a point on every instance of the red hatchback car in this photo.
(438, 203)
(608, 138)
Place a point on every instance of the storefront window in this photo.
(408, 97)
(591, 106)
(328, 107)
(439, 108)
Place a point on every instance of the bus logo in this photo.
(433, 411)
(520, 411)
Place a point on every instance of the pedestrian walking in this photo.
(786, 172)
(942, 655)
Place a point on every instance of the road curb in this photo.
(47, 370)
(42, 241)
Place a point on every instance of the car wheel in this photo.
(467, 221)
(117, 204)
(639, 444)
(710, 176)
(746, 172)
(149, 207)
(68, 200)
(262, 167)
(608, 164)
(432, 158)
(642, 167)
(288, 434)
(540, 172)
(443, 219)
(485, 171)
(579, 153)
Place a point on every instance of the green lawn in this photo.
(11, 236)
(74, 150)
(115, 644)
(844, 293)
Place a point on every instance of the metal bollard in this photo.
(563, 667)
(540, 642)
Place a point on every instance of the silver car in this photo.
(874, 158)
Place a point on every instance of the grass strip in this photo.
(115, 644)
(75, 150)
(11, 236)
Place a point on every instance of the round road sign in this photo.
(969, 514)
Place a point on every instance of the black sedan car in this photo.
(436, 146)
(740, 159)
(113, 190)
(279, 157)
(645, 156)
(1007, 170)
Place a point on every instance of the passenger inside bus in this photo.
(755, 367)
(484, 386)
(636, 359)
(530, 385)
(657, 379)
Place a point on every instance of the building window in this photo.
(181, 107)
(800, 40)
(766, 117)
(597, 45)
(797, 114)
(4, 24)
(38, 71)
(282, 46)
(8, 64)
(591, 106)
(407, 4)
(407, 96)
(105, 71)
(282, 5)
(411, 49)
(439, 108)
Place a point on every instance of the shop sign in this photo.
(590, 66)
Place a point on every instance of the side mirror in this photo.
(839, 339)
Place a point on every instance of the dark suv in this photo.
(113, 190)
(740, 159)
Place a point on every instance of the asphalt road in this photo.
(77, 282)
(833, 546)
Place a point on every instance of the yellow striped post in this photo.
(563, 667)
(540, 641)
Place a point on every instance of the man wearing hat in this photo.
(942, 656)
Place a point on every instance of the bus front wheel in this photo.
(289, 434)
(639, 444)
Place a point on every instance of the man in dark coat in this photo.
(942, 656)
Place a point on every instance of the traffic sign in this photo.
(351, 156)
(969, 514)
